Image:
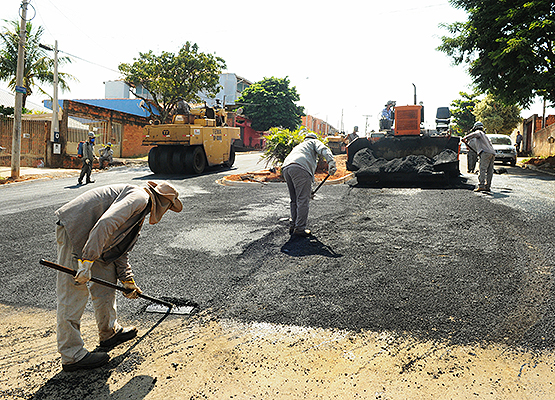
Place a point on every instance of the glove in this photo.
(130, 284)
(332, 168)
(84, 271)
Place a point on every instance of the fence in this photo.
(34, 136)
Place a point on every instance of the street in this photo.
(401, 293)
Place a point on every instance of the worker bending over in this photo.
(298, 170)
(95, 233)
(486, 155)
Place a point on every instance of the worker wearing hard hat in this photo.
(88, 159)
(486, 155)
(298, 170)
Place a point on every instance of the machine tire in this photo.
(229, 163)
(165, 159)
(195, 160)
(153, 160)
(179, 160)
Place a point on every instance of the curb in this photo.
(226, 182)
(534, 168)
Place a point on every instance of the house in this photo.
(538, 141)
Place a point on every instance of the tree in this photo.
(170, 77)
(271, 103)
(508, 46)
(38, 67)
(461, 110)
(496, 116)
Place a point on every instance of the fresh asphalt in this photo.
(446, 264)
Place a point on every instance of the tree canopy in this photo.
(508, 46)
(496, 116)
(271, 103)
(170, 77)
(39, 65)
(462, 112)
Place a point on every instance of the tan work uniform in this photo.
(101, 225)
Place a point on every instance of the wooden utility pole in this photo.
(19, 91)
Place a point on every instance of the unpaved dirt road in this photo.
(404, 293)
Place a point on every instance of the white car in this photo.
(505, 150)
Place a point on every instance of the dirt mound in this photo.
(274, 174)
(543, 163)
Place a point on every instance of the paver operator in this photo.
(486, 155)
(298, 170)
(95, 233)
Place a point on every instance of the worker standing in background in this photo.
(106, 154)
(88, 159)
(518, 142)
(351, 137)
(95, 233)
(486, 154)
(298, 170)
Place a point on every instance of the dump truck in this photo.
(197, 138)
(405, 152)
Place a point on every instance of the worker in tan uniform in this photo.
(95, 233)
(298, 170)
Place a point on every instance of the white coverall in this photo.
(486, 154)
(298, 170)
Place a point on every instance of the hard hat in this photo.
(109, 144)
(91, 134)
(478, 125)
(310, 135)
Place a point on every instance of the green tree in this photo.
(461, 110)
(271, 103)
(496, 116)
(38, 67)
(508, 46)
(170, 77)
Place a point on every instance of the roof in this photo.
(129, 106)
(7, 99)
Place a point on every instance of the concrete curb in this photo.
(534, 168)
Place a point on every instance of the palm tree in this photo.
(38, 67)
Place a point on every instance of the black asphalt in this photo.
(439, 264)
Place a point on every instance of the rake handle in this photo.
(102, 282)
(321, 183)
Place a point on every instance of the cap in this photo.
(91, 134)
(310, 135)
(478, 125)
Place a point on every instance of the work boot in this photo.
(79, 182)
(90, 181)
(302, 232)
(480, 189)
(123, 335)
(90, 361)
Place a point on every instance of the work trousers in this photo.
(471, 159)
(486, 170)
(299, 183)
(86, 169)
(73, 297)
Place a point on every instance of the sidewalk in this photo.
(28, 173)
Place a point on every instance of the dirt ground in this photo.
(204, 357)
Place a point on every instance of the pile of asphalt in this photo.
(366, 163)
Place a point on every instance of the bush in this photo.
(280, 142)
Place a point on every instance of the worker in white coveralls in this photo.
(298, 170)
(486, 155)
(95, 233)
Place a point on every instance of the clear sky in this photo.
(346, 58)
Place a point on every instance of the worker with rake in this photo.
(298, 170)
(95, 233)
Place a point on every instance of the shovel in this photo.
(319, 186)
(161, 306)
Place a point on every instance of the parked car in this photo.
(505, 150)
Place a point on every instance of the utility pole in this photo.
(19, 90)
(55, 125)
(366, 124)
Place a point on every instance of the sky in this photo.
(346, 58)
